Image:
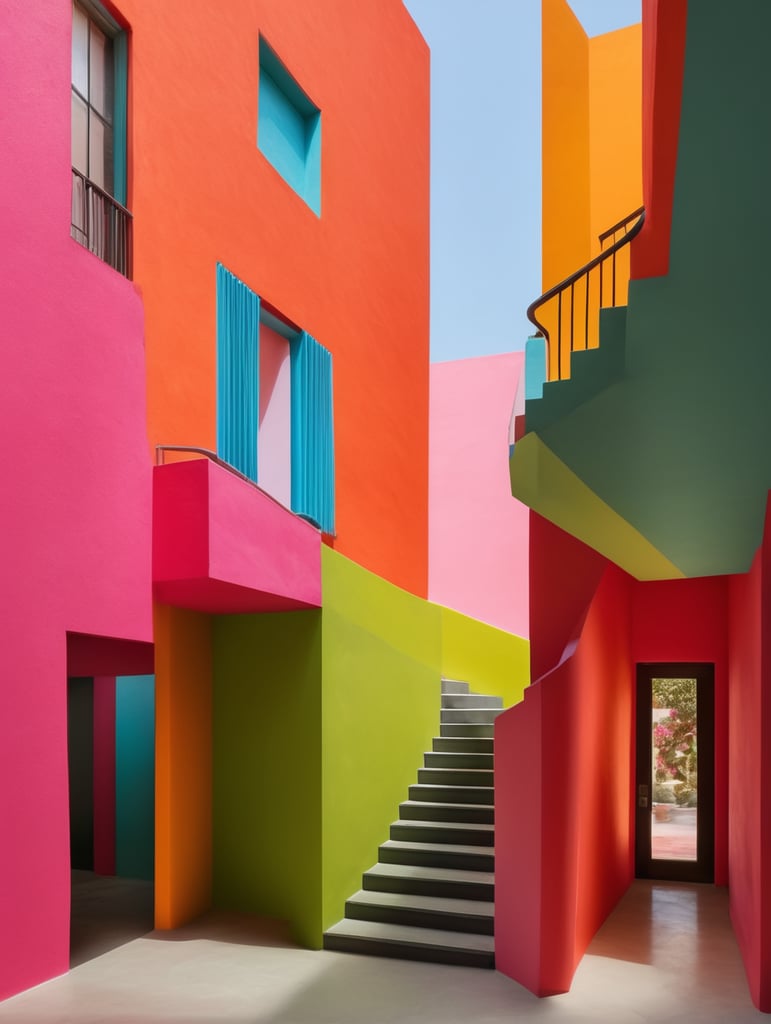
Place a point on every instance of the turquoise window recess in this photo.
(239, 314)
(238, 366)
(289, 129)
(120, 117)
(313, 454)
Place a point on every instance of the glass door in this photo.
(674, 791)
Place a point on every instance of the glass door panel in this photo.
(675, 769)
(674, 802)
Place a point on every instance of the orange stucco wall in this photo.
(183, 772)
(592, 148)
(566, 220)
(356, 278)
(615, 86)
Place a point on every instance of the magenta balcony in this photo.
(222, 545)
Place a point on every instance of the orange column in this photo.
(183, 754)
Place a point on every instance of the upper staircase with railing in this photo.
(568, 411)
(567, 320)
(572, 306)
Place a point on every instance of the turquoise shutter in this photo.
(313, 446)
(238, 326)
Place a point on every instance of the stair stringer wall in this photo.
(384, 652)
(563, 763)
(320, 721)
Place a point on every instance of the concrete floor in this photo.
(666, 954)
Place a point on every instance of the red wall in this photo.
(564, 757)
(564, 575)
(563, 767)
(750, 770)
(664, 27)
(686, 620)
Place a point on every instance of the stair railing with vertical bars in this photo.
(572, 306)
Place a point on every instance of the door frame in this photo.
(703, 868)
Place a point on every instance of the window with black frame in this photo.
(100, 220)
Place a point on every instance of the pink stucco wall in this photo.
(75, 506)
(478, 533)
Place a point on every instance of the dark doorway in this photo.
(80, 757)
(675, 785)
(110, 752)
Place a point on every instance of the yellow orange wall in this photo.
(356, 278)
(615, 142)
(592, 145)
(183, 766)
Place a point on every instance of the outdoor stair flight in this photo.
(430, 896)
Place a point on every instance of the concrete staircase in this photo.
(430, 896)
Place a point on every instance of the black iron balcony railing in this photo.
(572, 306)
(101, 224)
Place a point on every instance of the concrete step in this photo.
(432, 759)
(437, 855)
(454, 686)
(453, 832)
(470, 700)
(473, 730)
(469, 716)
(454, 883)
(475, 916)
(463, 744)
(455, 776)
(426, 810)
(403, 942)
(452, 794)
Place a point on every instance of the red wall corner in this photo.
(749, 772)
(563, 772)
(664, 30)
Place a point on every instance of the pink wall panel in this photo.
(274, 436)
(478, 533)
(75, 537)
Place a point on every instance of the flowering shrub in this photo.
(674, 740)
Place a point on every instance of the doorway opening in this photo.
(674, 784)
(111, 763)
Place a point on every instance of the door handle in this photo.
(642, 796)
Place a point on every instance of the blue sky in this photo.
(486, 164)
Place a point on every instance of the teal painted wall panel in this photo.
(135, 776)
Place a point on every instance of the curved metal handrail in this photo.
(569, 284)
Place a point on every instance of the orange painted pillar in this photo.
(183, 757)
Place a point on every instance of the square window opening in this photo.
(289, 129)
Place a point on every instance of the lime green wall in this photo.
(321, 719)
(381, 652)
(267, 779)
(491, 660)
